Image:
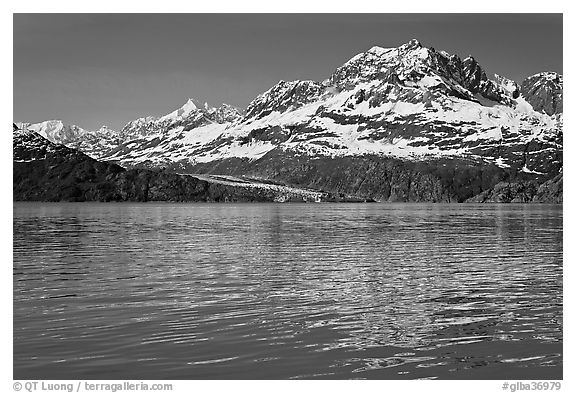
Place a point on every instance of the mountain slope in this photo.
(544, 92)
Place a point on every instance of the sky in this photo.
(107, 69)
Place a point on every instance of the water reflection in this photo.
(287, 291)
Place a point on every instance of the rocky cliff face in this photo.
(523, 192)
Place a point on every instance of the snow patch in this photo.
(524, 106)
(500, 162)
(494, 134)
(526, 170)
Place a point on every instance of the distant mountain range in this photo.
(391, 124)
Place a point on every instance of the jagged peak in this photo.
(504, 80)
(190, 106)
(378, 50)
(192, 110)
(192, 103)
(508, 85)
(413, 43)
(388, 53)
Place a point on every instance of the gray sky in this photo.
(96, 69)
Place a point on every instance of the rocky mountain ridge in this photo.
(191, 115)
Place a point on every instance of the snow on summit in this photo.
(185, 110)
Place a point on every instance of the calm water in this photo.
(276, 291)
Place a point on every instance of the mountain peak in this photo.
(381, 63)
(52, 124)
(508, 85)
(192, 103)
(190, 106)
(413, 43)
(56, 130)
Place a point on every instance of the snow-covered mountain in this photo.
(412, 106)
(56, 131)
(409, 102)
(93, 143)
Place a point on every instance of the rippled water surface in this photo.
(276, 291)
